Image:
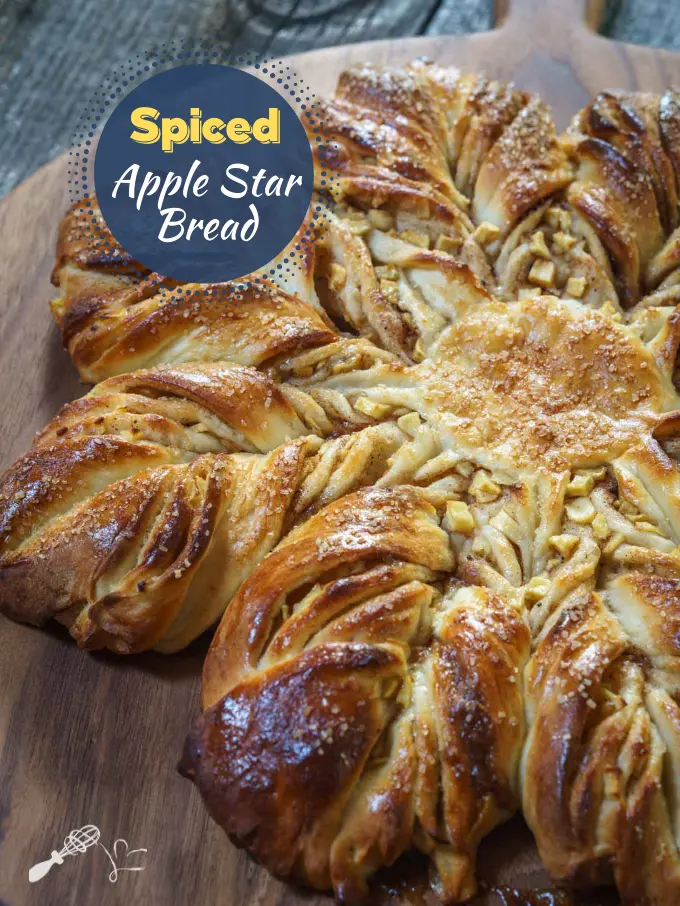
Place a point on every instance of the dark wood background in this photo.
(55, 53)
(95, 738)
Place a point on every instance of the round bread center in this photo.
(540, 382)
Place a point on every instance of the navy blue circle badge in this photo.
(204, 173)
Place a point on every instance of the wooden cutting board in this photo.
(95, 738)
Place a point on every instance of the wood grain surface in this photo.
(94, 738)
(54, 54)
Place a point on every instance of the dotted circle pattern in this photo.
(177, 53)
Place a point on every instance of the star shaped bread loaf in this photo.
(428, 484)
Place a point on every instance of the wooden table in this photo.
(55, 53)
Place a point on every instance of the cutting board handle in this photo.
(530, 15)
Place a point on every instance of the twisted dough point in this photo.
(474, 169)
(422, 156)
(357, 701)
(600, 769)
(355, 706)
(142, 507)
(114, 317)
(433, 147)
(612, 235)
(463, 140)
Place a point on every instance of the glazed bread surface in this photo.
(428, 483)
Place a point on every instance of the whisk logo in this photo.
(79, 841)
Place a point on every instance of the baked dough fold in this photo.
(427, 482)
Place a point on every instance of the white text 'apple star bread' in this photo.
(429, 483)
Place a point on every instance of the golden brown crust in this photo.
(549, 386)
(451, 540)
(111, 327)
(116, 317)
(401, 705)
(600, 762)
(524, 166)
(613, 226)
(142, 506)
